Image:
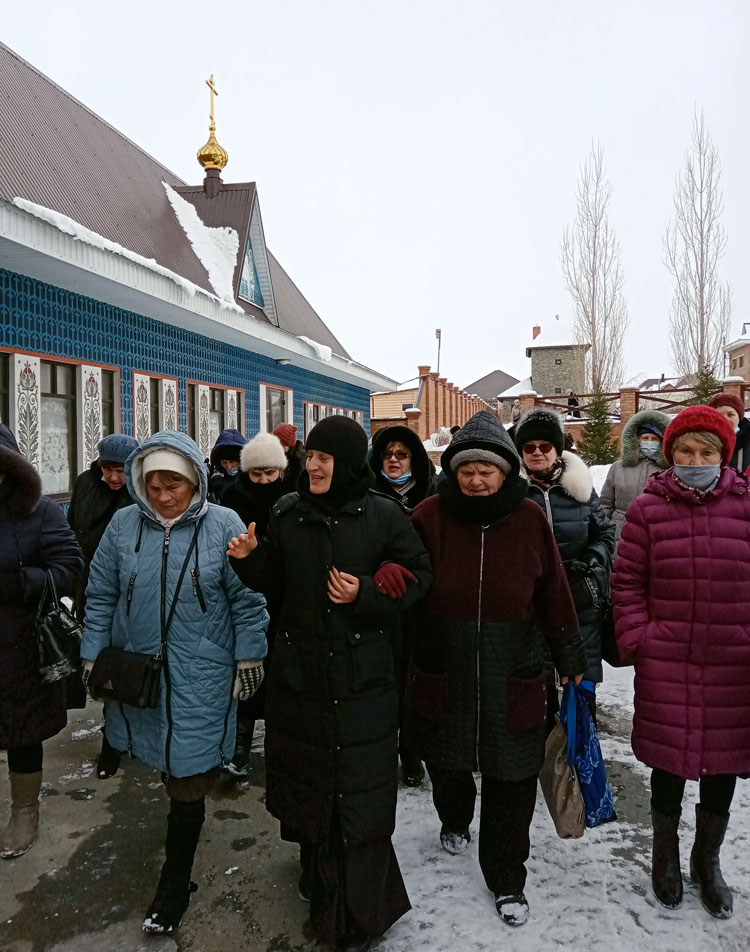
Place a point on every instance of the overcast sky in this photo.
(417, 160)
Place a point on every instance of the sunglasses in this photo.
(530, 448)
(399, 454)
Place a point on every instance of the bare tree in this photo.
(694, 242)
(593, 273)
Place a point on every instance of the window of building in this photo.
(276, 406)
(5, 388)
(216, 414)
(57, 427)
(742, 359)
(558, 361)
(109, 382)
(249, 283)
(217, 411)
(558, 390)
(318, 411)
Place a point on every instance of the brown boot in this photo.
(22, 829)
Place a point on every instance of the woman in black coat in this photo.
(257, 486)
(560, 482)
(34, 536)
(332, 702)
(97, 495)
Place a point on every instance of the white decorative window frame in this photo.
(168, 406)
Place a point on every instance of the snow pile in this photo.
(215, 248)
(599, 474)
(583, 894)
(79, 232)
(321, 351)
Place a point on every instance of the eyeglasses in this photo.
(399, 454)
(530, 448)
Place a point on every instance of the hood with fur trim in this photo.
(630, 450)
(576, 478)
(21, 487)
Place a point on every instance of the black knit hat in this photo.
(482, 438)
(540, 424)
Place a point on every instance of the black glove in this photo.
(11, 588)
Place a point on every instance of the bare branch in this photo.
(694, 243)
(590, 257)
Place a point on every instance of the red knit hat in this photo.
(287, 434)
(694, 419)
(727, 400)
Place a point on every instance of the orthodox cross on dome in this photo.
(214, 92)
(212, 156)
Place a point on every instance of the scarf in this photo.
(484, 509)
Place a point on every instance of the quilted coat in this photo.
(498, 601)
(681, 593)
(332, 701)
(627, 476)
(217, 621)
(582, 532)
(34, 536)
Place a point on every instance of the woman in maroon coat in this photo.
(499, 599)
(681, 592)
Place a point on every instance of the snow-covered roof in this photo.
(523, 386)
(557, 333)
(736, 344)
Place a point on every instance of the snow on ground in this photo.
(599, 474)
(589, 893)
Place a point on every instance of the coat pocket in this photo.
(527, 703)
(427, 694)
(287, 669)
(372, 663)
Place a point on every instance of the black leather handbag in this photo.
(126, 676)
(58, 635)
(133, 678)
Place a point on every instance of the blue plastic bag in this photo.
(589, 762)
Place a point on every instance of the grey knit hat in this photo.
(263, 451)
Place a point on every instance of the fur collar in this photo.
(631, 451)
(22, 486)
(576, 478)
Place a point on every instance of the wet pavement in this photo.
(86, 883)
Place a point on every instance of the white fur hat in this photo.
(264, 451)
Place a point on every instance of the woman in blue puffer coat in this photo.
(214, 643)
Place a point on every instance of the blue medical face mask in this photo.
(699, 477)
(233, 471)
(649, 448)
(400, 480)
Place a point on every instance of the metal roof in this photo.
(57, 153)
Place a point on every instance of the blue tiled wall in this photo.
(44, 319)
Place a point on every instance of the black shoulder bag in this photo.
(127, 676)
(58, 635)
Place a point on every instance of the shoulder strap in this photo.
(165, 624)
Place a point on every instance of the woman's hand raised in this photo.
(242, 545)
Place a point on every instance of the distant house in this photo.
(558, 361)
(132, 301)
(738, 354)
(492, 384)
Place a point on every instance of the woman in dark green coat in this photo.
(332, 701)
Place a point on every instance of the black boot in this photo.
(704, 862)
(239, 765)
(109, 759)
(666, 878)
(304, 886)
(173, 892)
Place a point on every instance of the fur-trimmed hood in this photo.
(630, 450)
(576, 478)
(21, 487)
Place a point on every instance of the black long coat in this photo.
(583, 533)
(34, 536)
(91, 508)
(332, 702)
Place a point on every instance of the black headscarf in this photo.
(346, 441)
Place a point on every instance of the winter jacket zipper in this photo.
(165, 659)
(131, 585)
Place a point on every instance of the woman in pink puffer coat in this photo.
(681, 594)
